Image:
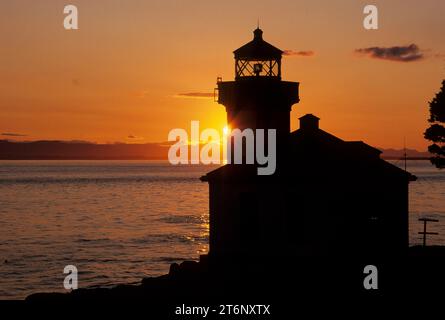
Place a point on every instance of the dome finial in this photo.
(258, 33)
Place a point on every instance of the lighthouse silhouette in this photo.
(327, 196)
(258, 98)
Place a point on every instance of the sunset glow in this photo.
(132, 73)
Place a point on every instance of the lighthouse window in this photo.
(246, 68)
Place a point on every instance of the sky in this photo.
(131, 70)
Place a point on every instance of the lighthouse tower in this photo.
(258, 98)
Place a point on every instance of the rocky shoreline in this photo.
(420, 270)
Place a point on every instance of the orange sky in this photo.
(121, 74)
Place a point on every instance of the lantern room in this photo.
(257, 59)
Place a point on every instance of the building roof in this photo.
(309, 116)
(258, 49)
(313, 152)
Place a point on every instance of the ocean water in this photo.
(120, 221)
(116, 221)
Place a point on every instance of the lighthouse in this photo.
(258, 98)
(327, 196)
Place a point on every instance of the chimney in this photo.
(309, 122)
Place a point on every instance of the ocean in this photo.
(120, 221)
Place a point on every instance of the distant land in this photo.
(411, 154)
(82, 150)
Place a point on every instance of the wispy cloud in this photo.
(133, 137)
(408, 53)
(307, 53)
(13, 134)
(196, 95)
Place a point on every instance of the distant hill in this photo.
(81, 150)
(410, 154)
(74, 150)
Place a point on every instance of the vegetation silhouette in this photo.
(436, 131)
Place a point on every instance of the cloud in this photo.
(197, 95)
(307, 53)
(133, 137)
(13, 134)
(398, 53)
